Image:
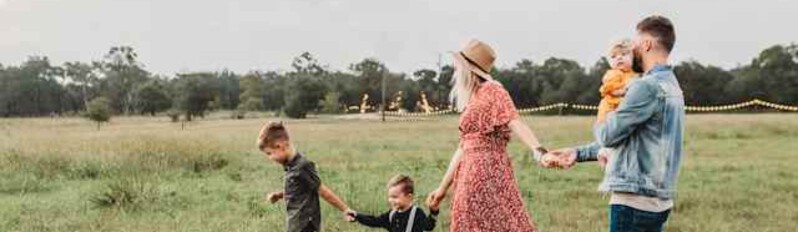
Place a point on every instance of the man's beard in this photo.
(637, 62)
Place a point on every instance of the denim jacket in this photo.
(646, 134)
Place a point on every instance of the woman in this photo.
(486, 196)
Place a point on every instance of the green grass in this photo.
(146, 174)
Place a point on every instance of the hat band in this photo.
(472, 62)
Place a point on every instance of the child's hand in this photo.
(603, 157)
(434, 208)
(619, 93)
(273, 197)
(350, 215)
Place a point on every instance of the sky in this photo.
(175, 36)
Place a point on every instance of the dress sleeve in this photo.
(503, 107)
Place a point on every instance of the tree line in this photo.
(120, 84)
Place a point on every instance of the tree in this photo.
(122, 72)
(522, 82)
(305, 86)
(701, 84)
(307, 64)
(32, 89)
(346, 86)
(772, 76)
(330, 104)
(306, 92)
(444, 86)
(553, 74)
(151, 97)
(38, 88)
(410, 94)
(229, 90)
(370, 73)
(99, 110)
(252, 94)
(274, 91)
(428, 82)
(593, 82)
(83, 76)
(194, 93)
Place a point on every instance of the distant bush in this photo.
(126, 194)
(99, 110)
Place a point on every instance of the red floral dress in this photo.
(486, 196)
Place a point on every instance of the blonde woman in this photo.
(486, 195)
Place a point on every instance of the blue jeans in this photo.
(627, 219)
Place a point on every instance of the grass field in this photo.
(146, 174)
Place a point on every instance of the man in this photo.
(646, 134)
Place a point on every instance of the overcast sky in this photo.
(241, 35)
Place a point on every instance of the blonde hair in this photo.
(464, 84)
(622, 45)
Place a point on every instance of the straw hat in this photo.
(478, 57)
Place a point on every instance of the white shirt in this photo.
(645, 203)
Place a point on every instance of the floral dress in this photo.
(486, 196)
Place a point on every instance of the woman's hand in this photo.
(549, 161)
(562, 158)
(435, 198)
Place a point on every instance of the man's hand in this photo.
(549, 160)
(350, 215)
(434, 199)
(562, 158)
(274, 197)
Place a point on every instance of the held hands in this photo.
(350, 215)
(434, 199)
(562, 158)
(273, 197)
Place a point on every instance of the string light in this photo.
(558, 106)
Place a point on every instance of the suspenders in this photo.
(410, 220)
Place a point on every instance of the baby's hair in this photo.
(622, 45)
(272, 133)
(405, 181)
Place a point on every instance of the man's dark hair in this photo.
(660, 28)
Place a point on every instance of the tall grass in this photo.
(143, 174)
